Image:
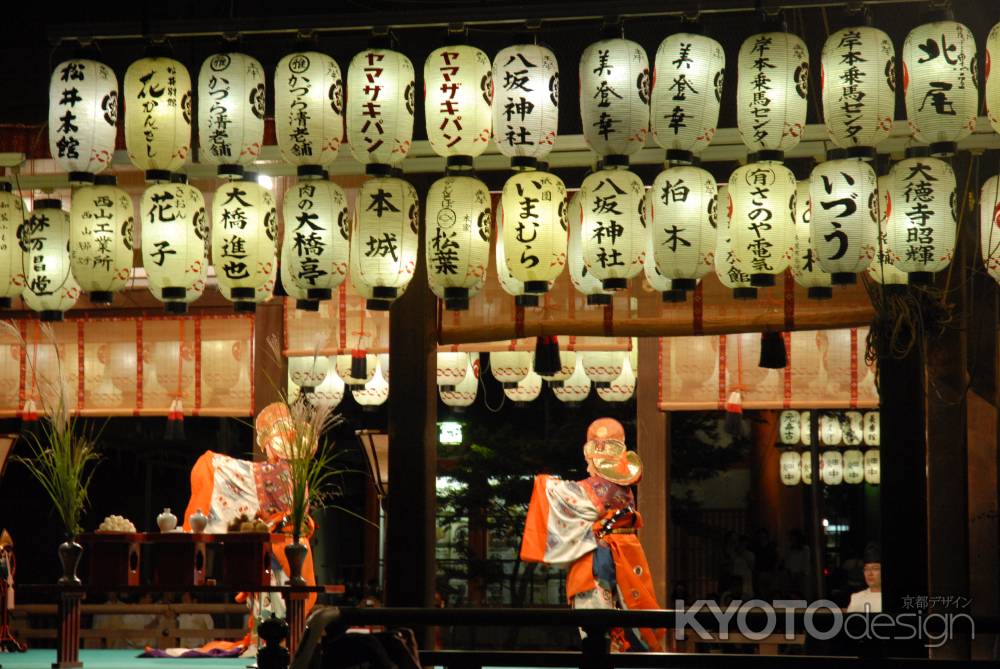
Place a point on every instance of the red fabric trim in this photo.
(22, 361)
(787, 336)
(518, 321)
(698, 310)
(253, 362)
(80, 371)
(341, 316)
(789, 301)
(722, 372)
(854, 368)
(197, 366)
(659, 370)
(138, 366)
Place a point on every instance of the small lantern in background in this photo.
(458, 99)
(805, 459)
(844, 217)
(330, 393)
(621, 389)
(380, 107)
(832, 467)
(83, 117)
(308, 110)
(576, 388)
(790, 467)
(873, 466)
(509, 367)
(11, 256)
(49, 288)
(681, 220)
(356, 369)
(613, 230)
(374, 393)
(534, 228)
(526, 390)
(525, 103)
(853, 428)
(174, 238)
(101, 230)
(614, 98)
(567, 365)
(231, 102)
(805, 269)
(384, 239)
(762, 220)
(317, 234)
(830, 432)
(451, 368)
(789, 428)
(872, 428)
(158, 116)
(244, 234)
(854, 466)
(603, 367)
(463, 394)
(308, 372)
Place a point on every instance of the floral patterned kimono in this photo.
(590, 526)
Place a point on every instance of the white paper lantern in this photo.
(383, 364)
(581, 277)
(11, 256)
(844, 220)
(992, 77)
(621, 389)
(386, 218)
(873, 466)
(805, 458)
(261, 294)
(83, 117)
(688, 77)
(330, 393)
(872, 428)
(300, 295)
(881, 269)
(373, 394)
(921, 220)
(613, 227)
(457, 245)
(989, 226)
(525, 102)
(762, 220)
(830, 432)
(451, 368)
(790, 467)
(771, 91)
(308, 371)
(174, 375)
(231, 97)
(534, 228)
(858, 82)
(603, 367)
(244, 233)
(174, 238)
(789, 427)
(49, 287)
(657, 281)
(682, 221)
(726, 268)
(101, 223)
(509, 367)
(317, 234)
(526, 390)
(806, 431)
(464, 394)
(854, 466)
(853, 428)
(158, 116)
(308, 110)
(614, 97)
(380, 104)
(576, 388)
(343, 368)
(567, 365)
(805, 268)
(832, 467)
(458, 98)
(941, 84)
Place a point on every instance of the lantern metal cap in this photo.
(229, 171)
(614, 284)
(80, 178)
(178, 178)
(378, 170)
(48, 203)
(6, 187)
(598, 300)
(242, 293)
(319, 294)
(51, 316)
(843, 278)
(536, 287)
(862, 152)
(680, 156)
(615, 160)
(684, 284)
(105, 297)
(920, 278)
(918, 152)
(456, 303)
(310, 172)
(943, 149)
(675, 295)
(819, 293)
(555, 383)
(173, 293)
(762, 280)
(6, 302)
(307, 305)
(247, 175)
(176, 308)
(941, 12)
(458, 164)
(744, 293)
(377, 305)
(526, 301)
(773, 22)
(105, 180)
(159, 177)
(455, 291)
(542, 166)
(836, 154)
(766, 155)
(385, 292)
(244, 307)
(523, 163)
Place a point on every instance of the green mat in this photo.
(117, 659)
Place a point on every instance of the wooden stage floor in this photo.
(117, 659)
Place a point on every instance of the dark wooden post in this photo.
(68, 642)
(653, 437)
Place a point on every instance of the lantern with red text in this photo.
(458, 98)
(83, 117)
(244, 233)
(380, 107)
(157, 116)
(100, 228)
(614, 98)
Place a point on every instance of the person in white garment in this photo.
(869, 600)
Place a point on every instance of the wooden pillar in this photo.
(410, 536)
(653, 437)
(268, 374)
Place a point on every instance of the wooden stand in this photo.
(68, 648)
(296, 618)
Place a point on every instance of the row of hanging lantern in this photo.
(851, 466)
(850, 428)
(325, 381)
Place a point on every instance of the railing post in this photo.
(596, 649)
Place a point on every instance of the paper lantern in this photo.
(534, 228)
(830, 432)
(881, 269)
(158, 116)
(317, 234)
(858, 83)
(343, 367)
(790, 467)
(844, 220)
(508, 283)
(173, 374)
(612, 226)
(220, 368)
(49, 287)
(457, 245)
(174, 238)
(682, 222)
(621, 389)
(853, 428)
(603, 367)
(526, 390)
(805, 459)
(383, 365)
(771, 92)
(83, 117)
(726, 268)
(11, 256)
(614, 98)
(308, 110)
(921, 219)
(805, 269)
(657, 281)
(854, 466)
(458, 99)
(580, 275)
(806, 431)
(576, 388)
(940, 84)
(380, 105)
(463, 394)
(832, 467)
(330, 393)
(762, 220)
(100, 228)
(231, 100)
(789, 427)
(872, 429)
(509, 367)
(525, 103)
(308, 371)
(688, 76)
(451, 368)
(567, 365)
(373, 394)
(386, 217)
(873, 466)
(989, 226)
(244, 233)
(300, 295)
(992, 77)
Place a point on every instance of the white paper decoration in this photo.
(343, 368)
(603, 367)
(174, 238)
(330, 393)
(244, 233)
(526, 390)
(806, 269)
(308, 371)
(525, 102)
(881, 269)
(576, 388)
(157, 116)
(101, 223)
(992, 77)
(49, 288)
(457, 245)
(772, 90)
(231, 97)
(613, 227)
(688, 77)
(790, 467)
(832, 467)
(940, 83)
(873, 466)
(921, 221)
(622, 388)
(317, 232)
(567, 365)
(726, 268)
(858, 81)
(762, 219)
(989, 226)
(464, 394)
(83, 117)
(853, 428)
(458, 98)
(682, 221)
(374, 393)
(308, 109)
(854, 466)
(534, 228)
(581, 277)
(806, 431)
(789, 428)
(380, 106)
(386, 219)
(11, 255)
(872, 428)
(451, 368)
(509, 367)
(614, 96)
(844, 217)
(830, 432)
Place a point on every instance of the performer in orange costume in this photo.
(590, 526)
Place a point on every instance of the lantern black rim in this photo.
(536, 287)
(51, 316)
(102, 297)
(458, 163)
(158, 176)
(173, 293)
(307, 305)
(943, 149)
(176, 308)
(684, 284)
(768, 154)
(243, 293)
(614, 284)
(598, 300)
(243, 307)
(456, 303)
(762, 280)
(377, 305)
(309, 171)
(819, 293)
(843, 278)
(744, 293)
(229, 171)
(81, 178)
(836, 153)
(384, 292)
(319, 294)
(526, 301)
(48, 203)
(455, 292)
(615, 160)
(6, 302)
(921, 278)
(524, 163)
(679, 156)
(378, 170)
(862, 152)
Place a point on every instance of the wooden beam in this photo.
(269, 374)
(653, 445)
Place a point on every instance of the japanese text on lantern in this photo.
(760, 180)
(528, 218)
(450, 87)
(386, 243)
(219, 120)
(234, 243)
(444, 247)
(307, 242)
(518, 108)
(603, 93)
(68, 144)
(154, 92)
(848, 204)
(680, 86)
(851, 80)
(374, 126)
(607, 229)
(33, 238)
(919, 196)
(954, 57)
(299, 86)
(674, 191)
(98, 233)
(760, 104)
